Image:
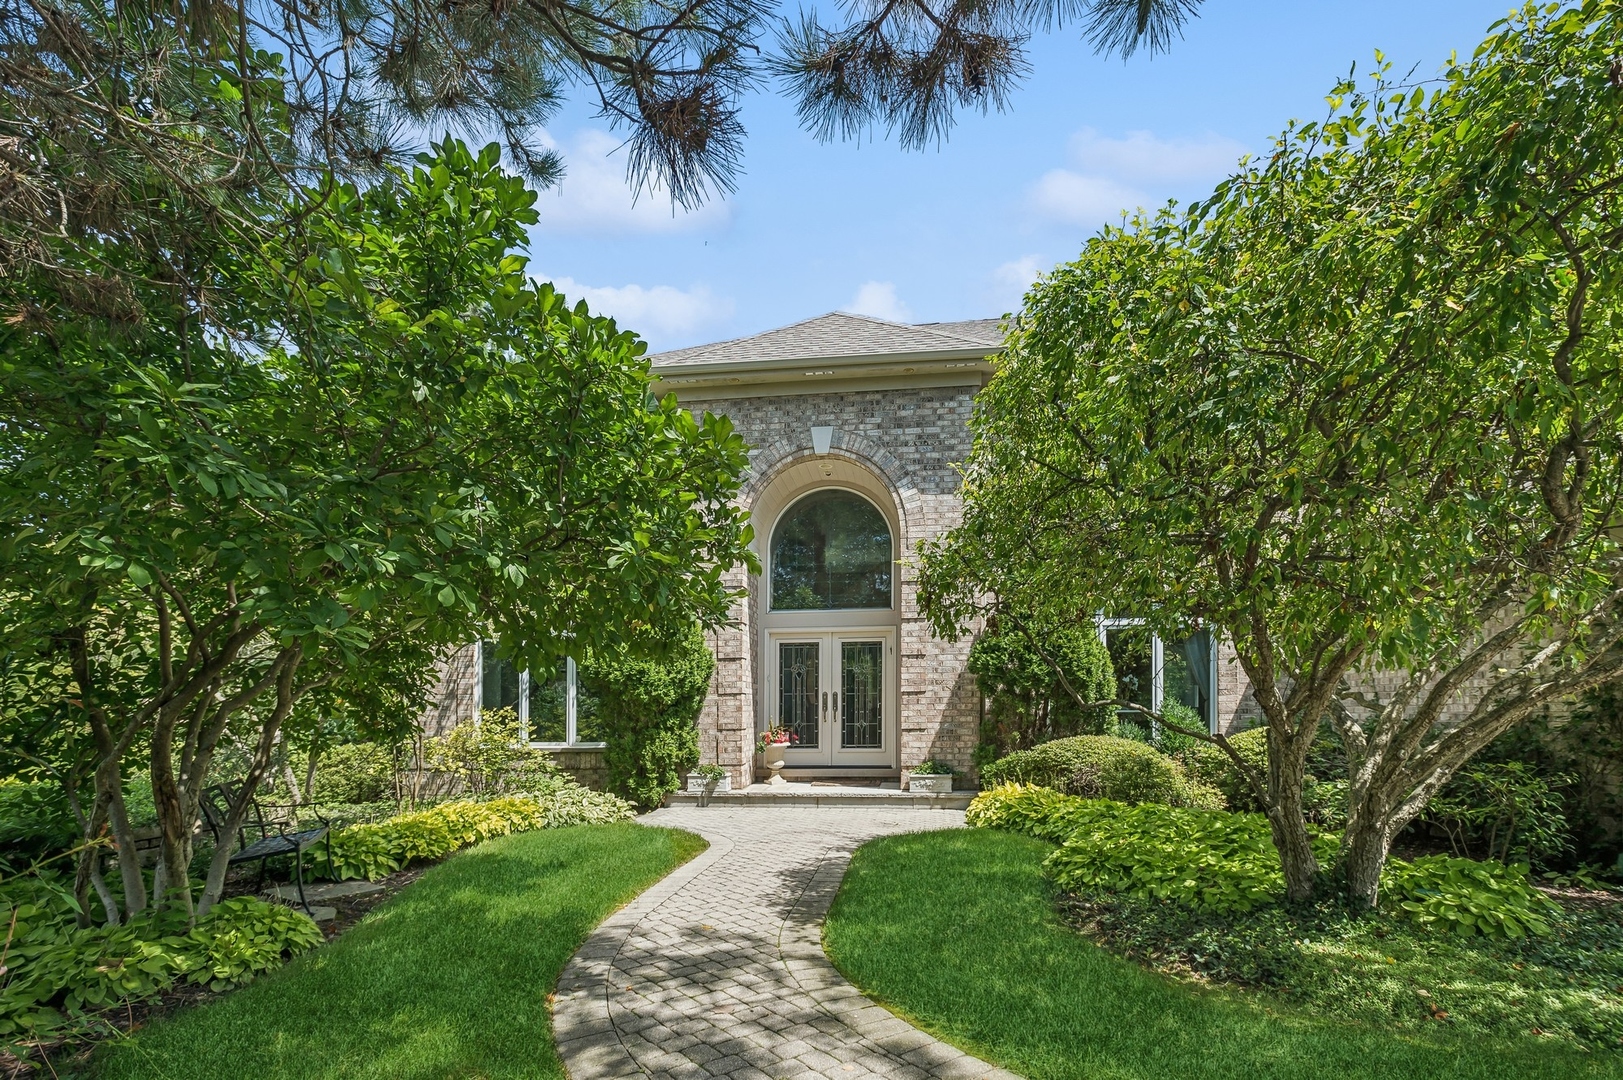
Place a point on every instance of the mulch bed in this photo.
(67, 1056)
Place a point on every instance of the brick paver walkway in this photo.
(718, 971)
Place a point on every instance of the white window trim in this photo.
(1158, 669)
(571, 699)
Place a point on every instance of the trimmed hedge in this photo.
(1209, 765)
(377, 849)
(1220, 861)
(1104, 767)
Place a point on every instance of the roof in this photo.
(839, 335)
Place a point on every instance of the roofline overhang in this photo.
(972, 361)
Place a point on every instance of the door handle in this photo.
(825, 704)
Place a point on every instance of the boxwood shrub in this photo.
(650, 709)
(1104, 767)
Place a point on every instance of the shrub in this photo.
(650, 709)
(1209, 765)
(375, 849)
(490, 757)
(1104, 767)
(1219, 861)
(1467, 897)
(57, 972)
(1504, 811)
(358, 772)
(34, 818)
(1026, 702)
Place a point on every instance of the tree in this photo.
(351, 79)
(403, 444)
(1359, 412)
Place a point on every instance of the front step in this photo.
(768, 795)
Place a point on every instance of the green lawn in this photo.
(956, 931)
(449, 979)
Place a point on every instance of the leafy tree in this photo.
(405, 444)
(1359, 412)
(1033, 676)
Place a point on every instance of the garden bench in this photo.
(264, 837)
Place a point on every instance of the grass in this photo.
(449, 979)
(958, 932)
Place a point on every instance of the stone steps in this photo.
(775, 795)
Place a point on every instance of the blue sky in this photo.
(959, 232)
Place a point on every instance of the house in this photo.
(856, 426)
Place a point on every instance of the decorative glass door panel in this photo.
(862, 695)
(799, 691)
(833, 690)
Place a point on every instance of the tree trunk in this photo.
(1364, 848)
(174, 823)
(1288, 821)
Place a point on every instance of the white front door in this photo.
(833, 690)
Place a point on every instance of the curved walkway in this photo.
(718, 970)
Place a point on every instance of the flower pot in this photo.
(930, 784)
(698, 785)
(774, 755)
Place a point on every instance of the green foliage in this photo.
(1468, 897)
(1219, 861)
(296, 510)
(932, 768)
(1209, 765)
(34, 819)
(489, 756)
(1290, 411)
(1502, 811)
(1032, 995)
(1103, 767)
(650, 709)
(377, 849)
(1027, 702)
(353, 772)
(1380, 972)
(1201, 858)
(58, 973)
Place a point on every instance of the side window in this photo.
(552, 707)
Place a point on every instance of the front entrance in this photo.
(833, 691)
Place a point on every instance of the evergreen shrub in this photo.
(1026, 701)
(1104, 767)
(650, 710)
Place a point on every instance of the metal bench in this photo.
(261, 837)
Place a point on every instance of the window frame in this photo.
(571, 705)
(769, 576)
(1158, 668)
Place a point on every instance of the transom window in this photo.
(831, 550)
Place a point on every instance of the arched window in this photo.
(831, 549)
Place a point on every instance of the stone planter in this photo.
(773, 755)
(698, 785)
(930, 784)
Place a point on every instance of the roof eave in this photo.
(798, 367)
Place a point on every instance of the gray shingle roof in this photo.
(839, 334)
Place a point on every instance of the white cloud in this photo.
(660, 313)
(1110, 175)
(878, 299)
(1011, 280)
(1143, 157)
(1062, 195)
(594, 197)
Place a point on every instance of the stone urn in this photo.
(773, 754)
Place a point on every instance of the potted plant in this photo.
(930, 777)
(771, 744)
(709, 779)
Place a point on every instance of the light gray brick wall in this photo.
(911, 439)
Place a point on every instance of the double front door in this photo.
(833, 690)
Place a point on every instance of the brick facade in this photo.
(908, 441)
